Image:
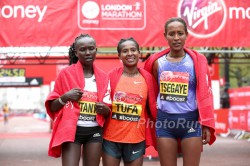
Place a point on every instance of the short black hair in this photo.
(127, 39)
(173, 19)
(72, 49)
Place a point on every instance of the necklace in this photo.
(176, 56)
(130, 74)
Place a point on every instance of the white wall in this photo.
(216, 93)
(30, 98)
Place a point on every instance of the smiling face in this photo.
(86, 50)
(176, 35)
(129, 53)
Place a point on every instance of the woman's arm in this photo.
(155, 70)
(74, 94)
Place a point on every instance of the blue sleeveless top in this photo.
(177, 85)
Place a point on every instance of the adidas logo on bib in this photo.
(191, 130)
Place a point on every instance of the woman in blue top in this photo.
(185, 102)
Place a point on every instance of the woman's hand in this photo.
(205, 135)
(74, 94)
(102, 108)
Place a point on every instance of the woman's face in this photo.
(176, 36)
(86, 50)
(129, 53)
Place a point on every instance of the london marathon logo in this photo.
(112, 15)
(204, 18)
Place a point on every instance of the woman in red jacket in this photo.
(185, 101)
(78, 105)
(129, 128)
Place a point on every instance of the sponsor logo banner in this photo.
(220, 23)
(105, 14)
(20, 81)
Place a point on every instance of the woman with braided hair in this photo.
(78, 106)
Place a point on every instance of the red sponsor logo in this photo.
(204, 18)
(127, 97)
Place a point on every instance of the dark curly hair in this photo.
(72, 49)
